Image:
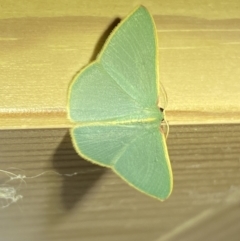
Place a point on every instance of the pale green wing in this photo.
(136, 152)
(122, 84)
(114, 100)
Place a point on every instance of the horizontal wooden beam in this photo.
(198, 61)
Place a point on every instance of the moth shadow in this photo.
(103, 38)
(81, 174)
(98, 47)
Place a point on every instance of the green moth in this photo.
(114, 105)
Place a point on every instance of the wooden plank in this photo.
(43, 45)
(199, 62)
(218, 223)
(214, 9)
(95, 204)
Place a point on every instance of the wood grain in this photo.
(95, 204)
(214, 9)
(43, 46)
(199, 65)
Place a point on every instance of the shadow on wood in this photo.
(103, 38)
(79, 175)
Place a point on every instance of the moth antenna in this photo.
(167, 124)
(165, 97)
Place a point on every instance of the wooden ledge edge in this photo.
(58, 119)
